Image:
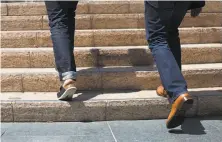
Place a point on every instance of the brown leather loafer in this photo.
(178, 110)
(160, 91)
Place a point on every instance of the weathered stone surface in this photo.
(15, 58)
(95, 7)
(41, 82)
(108, 7)
(107, 56)
(17, 39)
(44, 39)
(89, 79)
(84, 38)
(11, 82)
(119, 78)
(203, 20)
(145, 78)
(45, 111)
(47, 80)
(125, 57)
(83, 22)
(211, 35)
(119, 37)
(82, 8)
(136, 6)
(6, 112)
(105, 21)
(133, 78)
(4, 10)
(137, 109)
(17, 23)
(213, 6)
(86, 58)
(26, 9)
(201, 55)
(42, 58)
(210, 105)
(45, 22)
(190, 36)
(45, 58)
(110, 21)
(108, 37)
(203, 78)
(100, 105)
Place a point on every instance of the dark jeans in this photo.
(162, 21)
(61, 15)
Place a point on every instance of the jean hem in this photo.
(177, 95)
(69, 75)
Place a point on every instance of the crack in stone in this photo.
(3, 133)
(13, 115)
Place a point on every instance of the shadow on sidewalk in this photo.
(193, 126)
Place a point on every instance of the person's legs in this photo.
(175, 47)
(173, 38)
(157, 26)
(163, 17)
(174, 44)
(62, 25)
(61, 16)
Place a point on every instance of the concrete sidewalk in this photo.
(194, 130)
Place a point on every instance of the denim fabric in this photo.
(162, 20)
(61, 15)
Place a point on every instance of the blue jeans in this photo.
(61, 15)
(162, 21)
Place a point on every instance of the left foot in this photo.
(160, 91)
(177, 114)
(67, 90)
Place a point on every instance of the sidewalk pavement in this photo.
(194, 130)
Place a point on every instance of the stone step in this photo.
(106, 56)
(107, 78)
(104, 21)
(92, 7)
(106, 37)
(101, 106)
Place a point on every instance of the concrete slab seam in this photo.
(7, 9)
(42, 24)
(22, 82)
(13, 113)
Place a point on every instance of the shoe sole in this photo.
(68, 94)
(179, 116)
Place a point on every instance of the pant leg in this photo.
(174, 44)
(61, 16)
(158, 17)
(179, 12)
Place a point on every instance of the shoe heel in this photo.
(69, 86)
(187, 103)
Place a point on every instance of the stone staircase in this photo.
(116, 74)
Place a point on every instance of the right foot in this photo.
(179, 108)
(67, 90)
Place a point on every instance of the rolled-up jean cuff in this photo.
(171, 100)
(69, 75)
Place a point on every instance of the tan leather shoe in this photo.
(178, 110)
(160, 91)
(67, 90)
